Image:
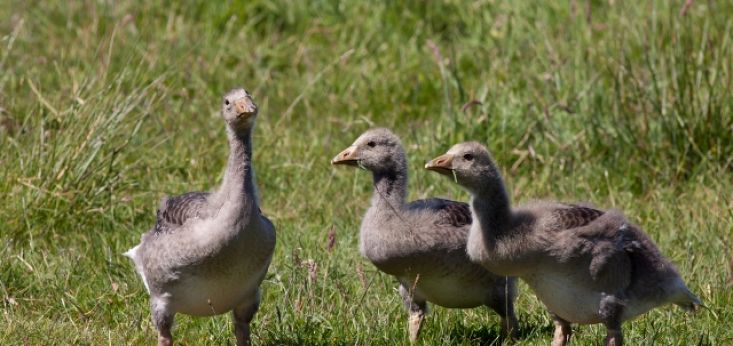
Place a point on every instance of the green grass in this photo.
(106, 108)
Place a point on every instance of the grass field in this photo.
(107, 106)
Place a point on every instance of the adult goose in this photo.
(208, 252)
(585, 264)
(422, 243)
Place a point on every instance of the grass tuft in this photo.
(107, 106)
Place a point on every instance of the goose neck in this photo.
(390, 189)
(492, 209)
(239, 174)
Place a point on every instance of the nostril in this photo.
(345, 154)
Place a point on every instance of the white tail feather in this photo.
(132, 254)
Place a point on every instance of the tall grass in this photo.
(107, 106)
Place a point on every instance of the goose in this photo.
(208, 253)
(587, 265)
(422, 243)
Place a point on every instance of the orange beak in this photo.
(347, 157)
(442, 164)
(245, 106)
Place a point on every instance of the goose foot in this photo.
(614, 337)
(417, 308)
(415, 324)
(165, 339)
(562, 331)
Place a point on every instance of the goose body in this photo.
(587, 265)
(422, 243)
(201, 274)
(209, 252)
(577, 258)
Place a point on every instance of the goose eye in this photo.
(226, 102)
(468, 157)
(372, 144)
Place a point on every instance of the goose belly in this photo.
(449, 292)
(206, 296)
(565, 297)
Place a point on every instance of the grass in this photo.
(107, 106)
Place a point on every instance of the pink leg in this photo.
(163, 321)
(562, 331)
(612, 309)
(614, 336)
(416, 308)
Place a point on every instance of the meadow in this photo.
(106, 106)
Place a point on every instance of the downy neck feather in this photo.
(237, 195)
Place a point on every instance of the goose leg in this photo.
(502, 301)
(163, 320)
(509, 323)
(614, 336)
(416, 308)
(243, 315)
(562, 331)
(611, 310)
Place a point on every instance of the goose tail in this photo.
(132, 254)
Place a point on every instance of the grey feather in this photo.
(175, 211)
(586, 264)
(422, 243)
(208, 252)
(447, 212)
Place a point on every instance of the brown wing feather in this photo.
(448, 212)
(607, 241)
(574, 216)
(174, 211)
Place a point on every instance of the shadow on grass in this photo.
(490, 334)
(475, 334)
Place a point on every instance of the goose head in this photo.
(377, 150)
(239, 109)
(469, 164)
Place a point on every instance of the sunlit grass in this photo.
(105, 108)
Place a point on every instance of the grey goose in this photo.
(422, 243)
(585, 264)
(209, 252)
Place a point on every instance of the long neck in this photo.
(492, 209)
(388, 199)
(238, 185)
(390, 189)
